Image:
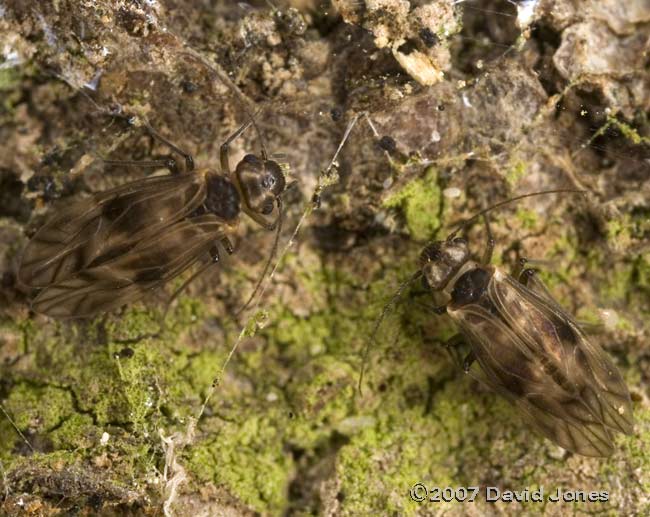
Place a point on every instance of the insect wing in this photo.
(584, 361)
(128, 277)
(108, 224)
(533, 353)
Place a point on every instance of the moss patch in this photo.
(84, 397)
(420, 202)
(247, 457)
(516, 173)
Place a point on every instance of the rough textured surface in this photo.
(553, 96)
(417, 35)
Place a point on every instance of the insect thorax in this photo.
(470, 284)
(222, 197)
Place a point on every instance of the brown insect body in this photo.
(98, 253)
(530, 350)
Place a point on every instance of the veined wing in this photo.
(106, 225)
(585, 363)
(129, 276)
(534, 354)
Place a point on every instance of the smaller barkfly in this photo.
(96, 254)
(529, 349)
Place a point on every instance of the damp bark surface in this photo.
(459, 106)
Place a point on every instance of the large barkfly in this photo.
(529, 349)
(99, 253)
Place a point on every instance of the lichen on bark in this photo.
(99, 416)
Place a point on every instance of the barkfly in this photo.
(529, 349)
(99, 253)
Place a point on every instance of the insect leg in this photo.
(440, 310)
(267, 225)
(227, 245)
(519, 269)
(277, 224)
(189, 161)
(489, 246)
(214, 251)
(225, 169)
(214, 255)
(452, 345)
(527, 277)
(468, 361)
(454, 341)
(223, 151)
(168, 163)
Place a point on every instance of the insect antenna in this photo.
(260, 136)
(378, 321)
(274, 249)
(324, 180)
(467, 222)
(245, 102)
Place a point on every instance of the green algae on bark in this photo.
(82, 397)
(286, 431)
(421, 201)
(416, 420)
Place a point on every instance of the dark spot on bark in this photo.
(45, 184)
(407, 47)
(125, 353)
(132, 22)
(188, 86)
(52, 157)
(428, 37)
(387, 143)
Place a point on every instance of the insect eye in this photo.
(430, 253)
(437, 274)
(273, 180)
(268, 182)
